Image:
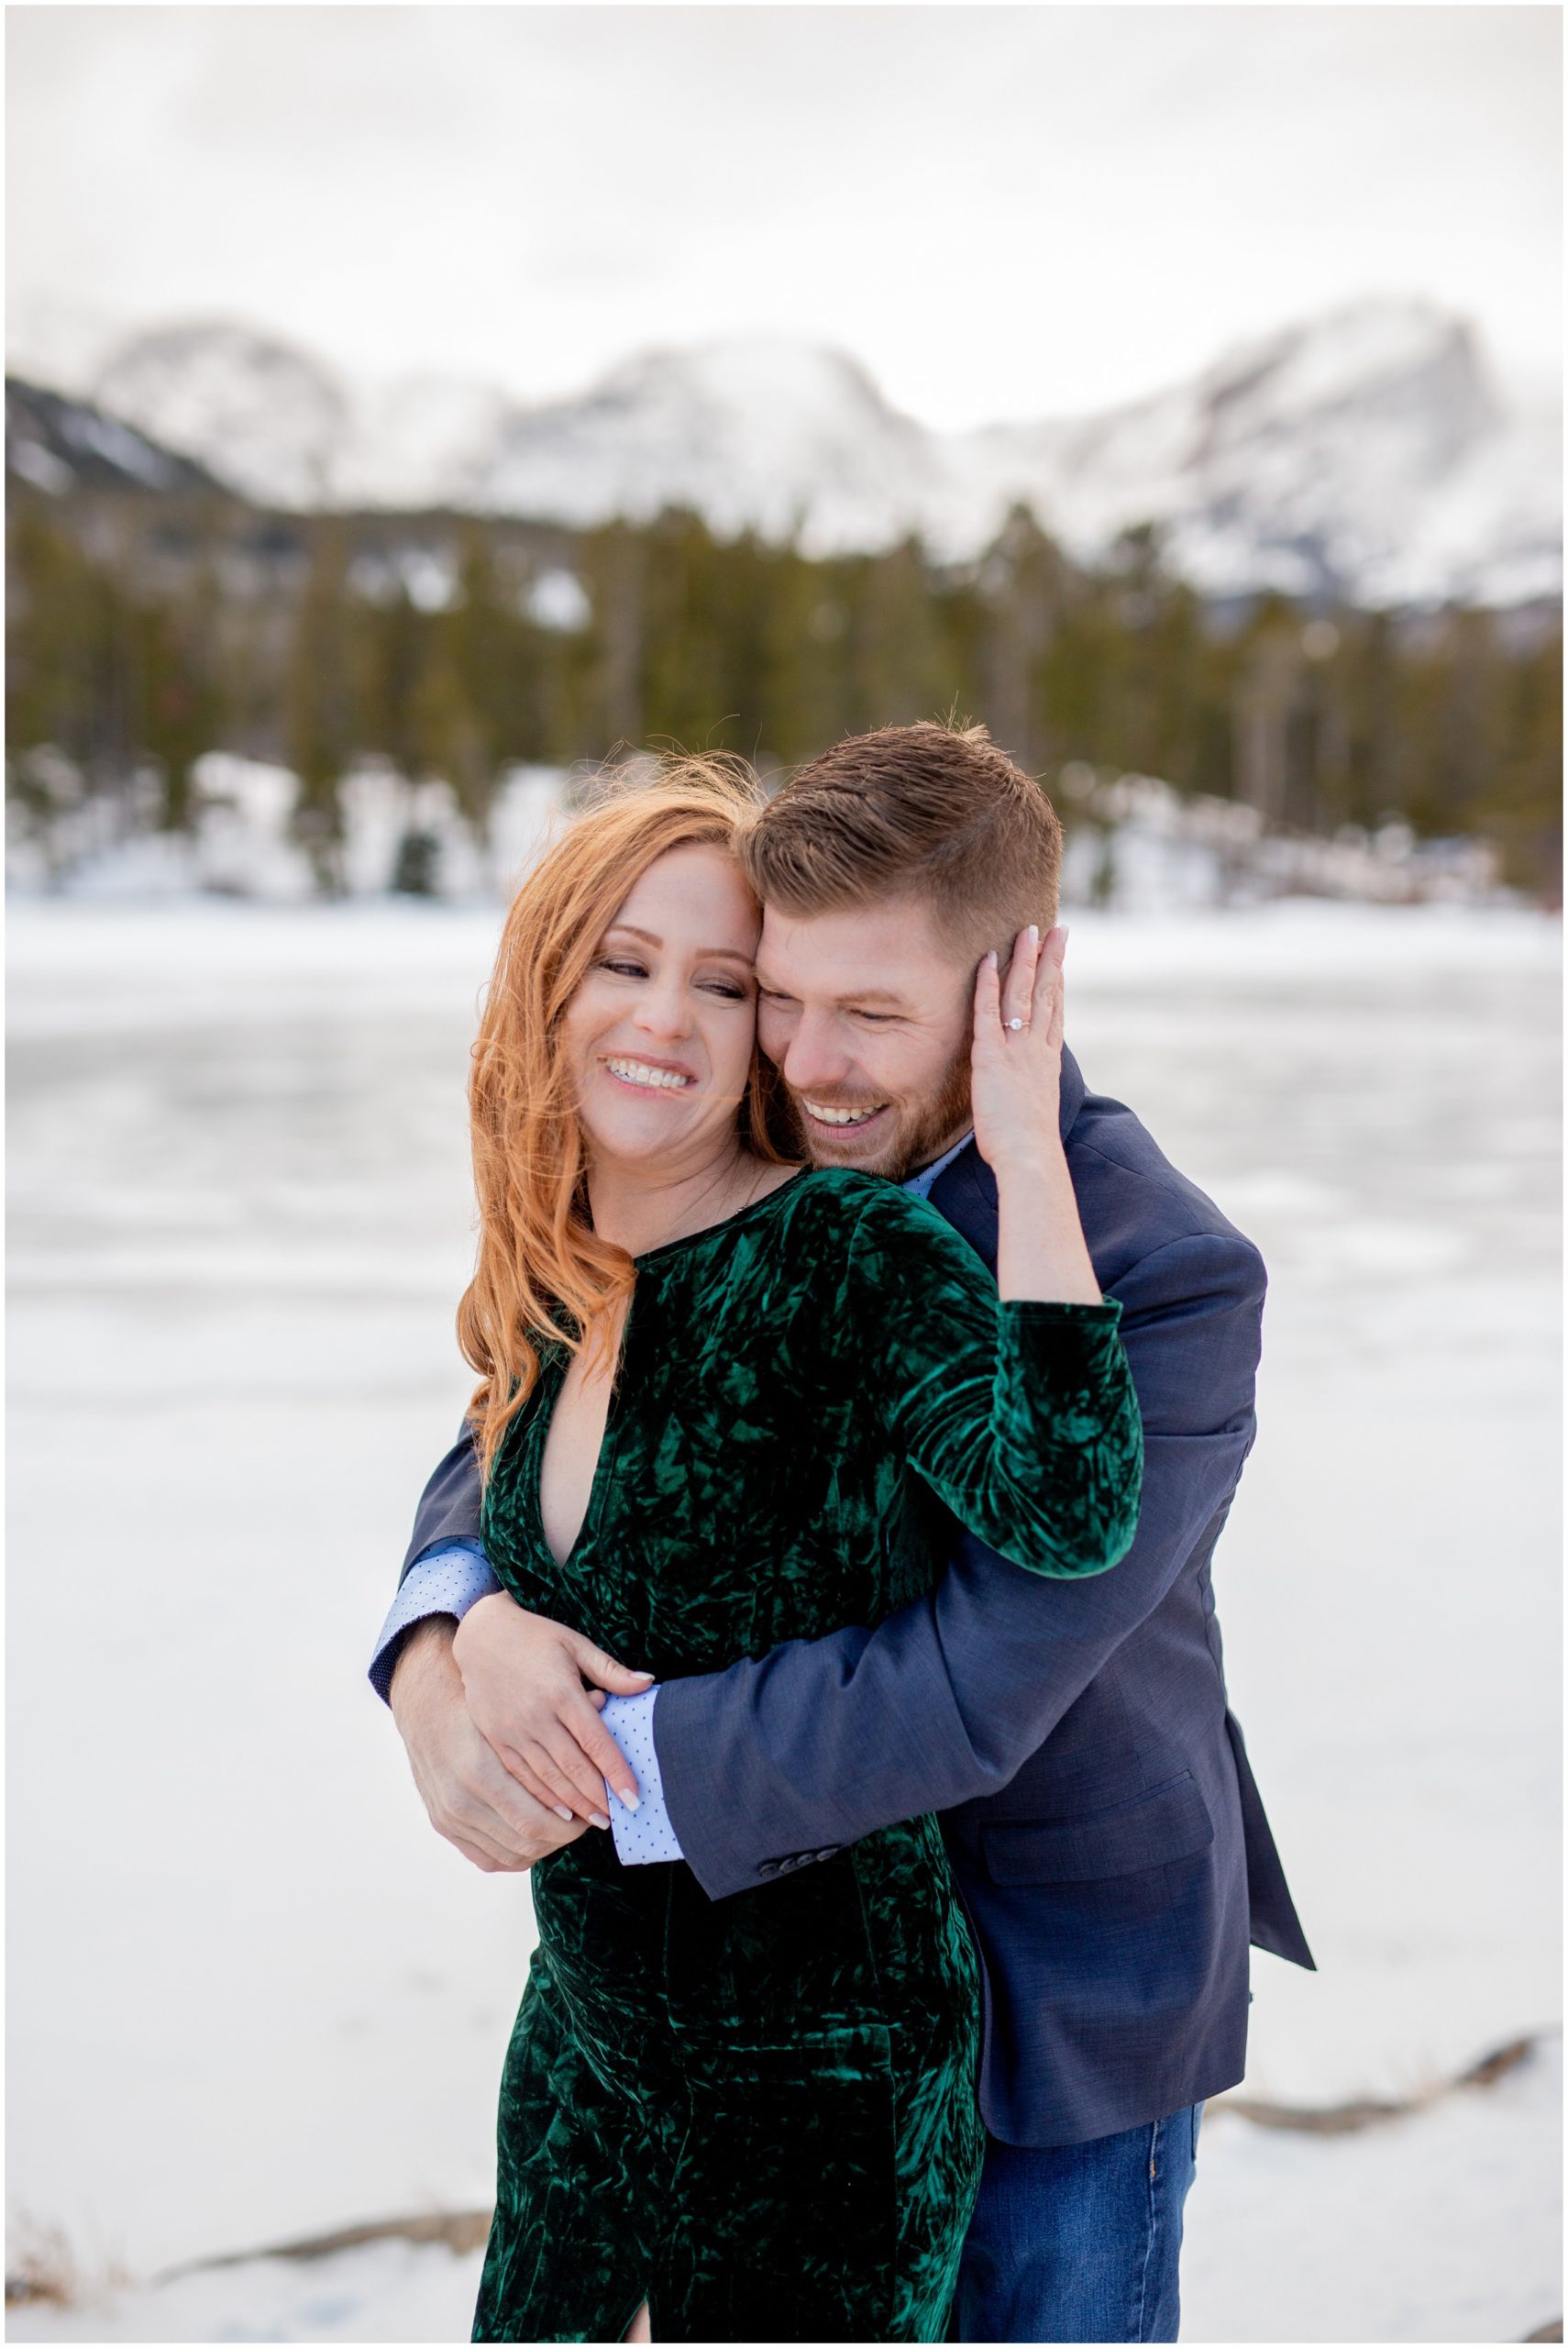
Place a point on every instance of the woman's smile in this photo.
(640, 1075)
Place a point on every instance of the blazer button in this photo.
(769, 1866)
(831, 1852)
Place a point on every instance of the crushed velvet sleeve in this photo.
(1021, 1416)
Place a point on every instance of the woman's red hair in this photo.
(542, 1273)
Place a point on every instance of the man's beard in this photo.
(920, 1131)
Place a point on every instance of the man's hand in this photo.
(523, 1677)
(470, 1798)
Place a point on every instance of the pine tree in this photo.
(318, 701)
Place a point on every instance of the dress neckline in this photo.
(730, 1222)
(538, 1433)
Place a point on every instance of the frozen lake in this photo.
(251, 1995)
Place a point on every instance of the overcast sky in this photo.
(1004, 212)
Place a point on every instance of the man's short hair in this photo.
(931, 812)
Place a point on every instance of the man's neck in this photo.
(922, 1177)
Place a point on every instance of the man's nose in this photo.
(816, 1057)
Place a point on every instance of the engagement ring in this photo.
(1015, 1024)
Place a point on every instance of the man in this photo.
(1101, 1815)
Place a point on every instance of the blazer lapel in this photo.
(967, 1194)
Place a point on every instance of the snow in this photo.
(1443, 2226)
(1369, 451)
(35, 463)
(256, 1998)
(762, 435)
(1436, 2228)
(1369, 447)
(272, 420)
(557, 599)
(416, 440)
(240, 844)
(391, 2291)
(105, 438)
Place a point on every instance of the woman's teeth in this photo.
(657, 1079)
(842, 1116)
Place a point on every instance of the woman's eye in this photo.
(727, 988)
(624, 970)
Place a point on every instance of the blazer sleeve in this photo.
(1020, 1415)
(449, 1505)
(823, 1741)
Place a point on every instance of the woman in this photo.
(707, 1378)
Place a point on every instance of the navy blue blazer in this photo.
(1100, 1814)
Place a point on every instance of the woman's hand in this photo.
(1016, 1062)
(523, 1678)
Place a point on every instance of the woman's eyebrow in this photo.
(709, 953)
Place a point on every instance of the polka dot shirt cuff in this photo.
(448, 1578)
(644, 1834)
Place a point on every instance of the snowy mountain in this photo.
(58, 445)
(771, 436)
(271, 420)
(1369, 452)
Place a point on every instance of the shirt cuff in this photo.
(447, 1578)
(645, 1834)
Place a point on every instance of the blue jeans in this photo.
(1079, 2242)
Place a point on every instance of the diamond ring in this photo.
(1015, 1024)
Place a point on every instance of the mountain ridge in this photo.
(1369, 453)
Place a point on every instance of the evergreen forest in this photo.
(144, 631)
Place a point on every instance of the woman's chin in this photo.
(665, 1132)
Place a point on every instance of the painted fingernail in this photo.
(598, 1819)
(1034, 933)
(630, 1801)
(991, 958)
(562, 1811)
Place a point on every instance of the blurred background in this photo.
(408, 408)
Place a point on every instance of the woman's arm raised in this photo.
(1019, 1412)
(1016, 1082)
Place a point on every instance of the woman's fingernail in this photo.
(562, 1811)
(1034, 933)
(598, 1819)
(630, 1801)
(991, 958)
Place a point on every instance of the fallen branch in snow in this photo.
(1348, 2119)
(463, 2230)
(460, 2231)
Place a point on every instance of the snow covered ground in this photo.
(1438, 2228)
(253, 1997)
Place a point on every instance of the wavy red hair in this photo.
(541, 1270)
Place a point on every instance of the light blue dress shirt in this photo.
(451, 1576)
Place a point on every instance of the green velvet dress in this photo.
(759, 2112)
